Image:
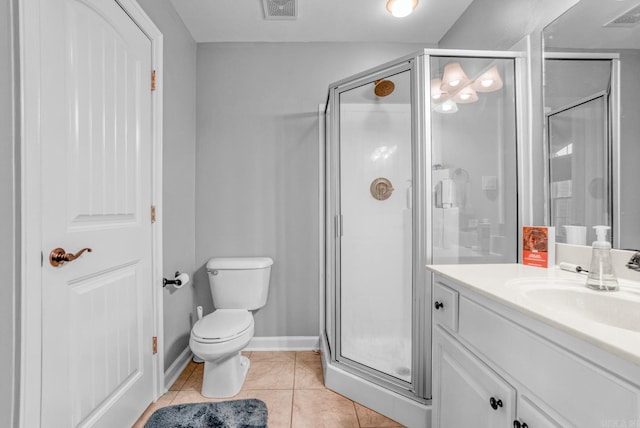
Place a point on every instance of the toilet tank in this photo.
(239, 282)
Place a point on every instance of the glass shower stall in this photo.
(420, 167)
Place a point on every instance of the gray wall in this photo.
(179, 142)
(8, 226)
(629, 149)
(501, 25)
(257, 163)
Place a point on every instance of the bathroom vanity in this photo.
(519, 346)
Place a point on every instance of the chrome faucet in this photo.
(634, 263)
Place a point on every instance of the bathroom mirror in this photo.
(592, 117)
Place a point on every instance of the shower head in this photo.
(383, 88)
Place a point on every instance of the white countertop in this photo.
(499, 282)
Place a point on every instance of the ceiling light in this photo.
(489, 81)
(454, 77)
(401, 8)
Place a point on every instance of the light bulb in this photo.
(489, 81)
(466, 95)
(401, 8)
(446, 107)
(436, 91)
(454, 83)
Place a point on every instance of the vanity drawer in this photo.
(582, 393)
(445, 306)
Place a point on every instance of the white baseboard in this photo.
(177, 367)
(284, 343)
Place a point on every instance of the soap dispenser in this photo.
(601, 274)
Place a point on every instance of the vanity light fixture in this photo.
(436, 90)
(489, 81)
(455, 87)
(466, 95)
(454, 77)
(401, 8)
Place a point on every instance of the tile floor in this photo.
(290, 383)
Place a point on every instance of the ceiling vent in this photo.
(280, 9)
(630, 18)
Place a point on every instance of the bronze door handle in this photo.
(59, 256)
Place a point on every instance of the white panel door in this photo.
(96, 193)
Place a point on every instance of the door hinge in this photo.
(154, 341)
(153, 213)
(153, 80)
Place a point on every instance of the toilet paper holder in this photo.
(176, 281)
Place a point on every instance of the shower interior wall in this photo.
(377, 236)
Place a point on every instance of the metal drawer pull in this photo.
(495, 403)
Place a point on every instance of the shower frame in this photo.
(408, 404)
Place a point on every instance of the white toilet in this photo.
(238, 286)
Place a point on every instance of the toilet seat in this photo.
(222, 325)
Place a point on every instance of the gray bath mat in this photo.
(250, 413)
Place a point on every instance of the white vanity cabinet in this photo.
(495, 367)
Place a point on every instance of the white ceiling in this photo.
(318, 21)
(583, 26)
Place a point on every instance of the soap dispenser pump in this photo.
(601, 274)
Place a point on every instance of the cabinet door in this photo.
(467, 393)
(531, 416)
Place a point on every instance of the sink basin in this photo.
(609, 309)
(620, 309)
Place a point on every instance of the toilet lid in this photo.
(222, 324)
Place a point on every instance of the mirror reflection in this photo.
(592, 112)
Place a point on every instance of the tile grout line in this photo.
(355, 410)
(293, 388)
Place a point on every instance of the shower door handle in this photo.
(338, 225)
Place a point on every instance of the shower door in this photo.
(373, 159)
(375, 242)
